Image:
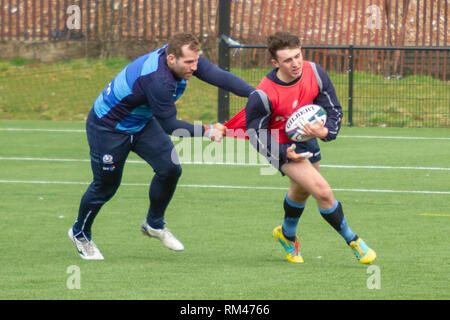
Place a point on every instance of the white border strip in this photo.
(214, 186)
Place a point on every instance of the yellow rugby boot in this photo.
(362, 252)
(290, 247)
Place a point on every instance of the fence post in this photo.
(350, 85)
(223, 112)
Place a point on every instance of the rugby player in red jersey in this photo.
(294, 83)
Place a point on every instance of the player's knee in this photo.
(298, 196)
(104, 191)
(324, 195)
(175, 171)
(171, 170)
(110, 191)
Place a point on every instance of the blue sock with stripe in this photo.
(292, 214)
(335, 217)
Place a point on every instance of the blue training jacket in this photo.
(147, 88)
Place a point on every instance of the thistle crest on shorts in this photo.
(108, 159)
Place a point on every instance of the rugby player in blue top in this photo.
(136, 112)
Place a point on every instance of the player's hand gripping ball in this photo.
(310, 113)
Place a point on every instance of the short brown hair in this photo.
(180, 39)
(281, 40)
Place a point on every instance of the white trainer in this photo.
(86, 248)
(166, 237)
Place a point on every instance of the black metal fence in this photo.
(377, 86)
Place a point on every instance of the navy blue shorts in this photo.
(307, 146)
(312, 146)
(109, 149)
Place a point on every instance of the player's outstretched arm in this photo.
(215, 131)
(176, 127)
(212, 74)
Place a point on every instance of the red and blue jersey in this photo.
(269, 107)
(287, 98)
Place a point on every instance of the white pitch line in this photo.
(335, 166)
(214, 186)
(394, 137)
(392, 191)
(43, 130)
(44, 159)
(382, 167)
(340, 136)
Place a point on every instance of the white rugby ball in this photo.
(310, 113)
